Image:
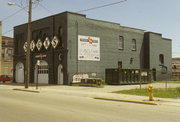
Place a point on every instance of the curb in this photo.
(27, 90)
(125, 100)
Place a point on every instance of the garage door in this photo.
(41, 73)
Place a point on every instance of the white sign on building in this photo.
(88, 48)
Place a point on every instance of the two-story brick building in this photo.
(70, 43)
(7, 55)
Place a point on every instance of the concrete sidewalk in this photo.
(106, 92)
(93, 92)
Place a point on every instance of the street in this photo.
(20, 106)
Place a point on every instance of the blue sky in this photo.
(161, 16)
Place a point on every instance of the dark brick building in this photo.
(71, 43)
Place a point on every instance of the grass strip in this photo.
(159, 92)
(178, 82)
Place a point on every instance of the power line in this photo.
(12, 14)
(7, 32)
(9, 17)
(22, 8)
(45, 8)
(110, 4)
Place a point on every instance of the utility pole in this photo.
(27, 65)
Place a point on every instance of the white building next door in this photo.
(42, 74)
(60, 74)
(19, 77)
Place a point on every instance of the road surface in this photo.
(19, 106)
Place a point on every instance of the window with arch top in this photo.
(121, 43)
(133, 44)
(161, 59)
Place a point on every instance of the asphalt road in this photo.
(19, 106)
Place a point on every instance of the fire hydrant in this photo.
(150, 92)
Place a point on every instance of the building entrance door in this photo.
(154, 74)
(60, 74)
(19, 77)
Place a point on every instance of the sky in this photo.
(160, 16)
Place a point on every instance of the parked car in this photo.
(5, 78)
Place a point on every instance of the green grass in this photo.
(161, 93)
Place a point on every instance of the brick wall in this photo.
(109, 53)
(146, 55)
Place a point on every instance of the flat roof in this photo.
(79, 14)
(6, 37)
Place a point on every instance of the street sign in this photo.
(40, 56)
(25, 46)
(32, 45)
(46, 43)
(55, 42)
(39, 44)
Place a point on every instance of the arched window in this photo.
(60, 34)
(60, 31)
(161, 59)
(40, 34)
(134, 44)
(121, 43)
(44, 35)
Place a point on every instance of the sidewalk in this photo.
(93, 92)
(107, 93)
